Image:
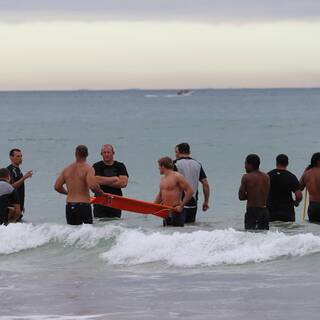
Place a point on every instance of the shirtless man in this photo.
(172, 185)
(254, 188)
(311, 180)
(78, 177)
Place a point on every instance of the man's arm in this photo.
(59, 184)
(298, 197)
(92, 182)
(188, 192)
(19, 182)
(206, 193)
(243, 189)
(158, 198)
(122, 182)
(107, 181)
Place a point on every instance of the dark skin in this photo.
(311, 180)
(254, 187)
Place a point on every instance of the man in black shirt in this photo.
(112, 177)
(17, 177)
(282, 184)
(9, 200)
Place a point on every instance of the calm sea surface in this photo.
(134, 268)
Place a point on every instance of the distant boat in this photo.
(185, 93)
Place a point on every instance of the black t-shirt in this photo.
(115, 170)
(8, 196)
(282, 184)
(16, 175)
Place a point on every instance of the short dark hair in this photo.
(12, 151)
(4, 173)
(166, 162)
(82, 151)
(183, 147)
(282, 160)
(254, 160)
(314, 160)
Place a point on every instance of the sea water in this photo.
(134, 268)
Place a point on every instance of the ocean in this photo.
(133, 268)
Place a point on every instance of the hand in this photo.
(205, 206)
(28, 174)
(178, 208)
(296, 203)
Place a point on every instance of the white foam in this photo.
(208, 248)
(22, 236)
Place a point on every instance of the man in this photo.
(17, 177)
(78, 178)
(9, 200)
(112, 177)
(172, 185)
(255, 189)
(193, 172)
(282, 184)
(311, 180)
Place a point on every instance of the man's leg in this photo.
(190, 214)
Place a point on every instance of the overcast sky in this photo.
(72, 44)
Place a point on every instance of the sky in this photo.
(77, 44)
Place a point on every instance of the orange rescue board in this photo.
(133, 205)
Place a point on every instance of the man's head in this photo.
(315, 160)
(107, 153)
(15, 157)
(282, 161)
(165, 164)
(5, 174)
(81, 152)
(182, 149)
(252, 163)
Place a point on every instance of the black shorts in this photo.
(285, 215)
(78, 213)
(191, 213)
(4, 216)
(175, 219)
(314, 211)
(105, 212)
(256, 219)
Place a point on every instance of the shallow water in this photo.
(133, 268)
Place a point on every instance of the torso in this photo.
(312, 181)
(258, 184)
(170, 190)
(16, 174)
(76, 181)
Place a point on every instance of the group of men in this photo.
(270, 196)
(178, 187)
(12, 189)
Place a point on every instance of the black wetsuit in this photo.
(314, 211)
(280, 202)
(192, 170)
(78, 213)
(8, 196)
(16, 174)
(115, 170)
(256, 219)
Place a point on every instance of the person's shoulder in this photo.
(119, 164)
(10, 167)
(98, 164)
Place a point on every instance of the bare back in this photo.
(311, 179)
(255, 189)
(75, 176)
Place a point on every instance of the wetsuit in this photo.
(78, 213)
(256, 219)
(314, 211)
(193, 172)
(15, 175)
(115, 170)
(8, 196)
(280, 202)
